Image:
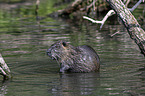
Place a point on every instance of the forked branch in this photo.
(110, 13)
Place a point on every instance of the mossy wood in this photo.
(134, 29)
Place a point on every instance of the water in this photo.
(24, 41)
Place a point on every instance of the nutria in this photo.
(74, 59)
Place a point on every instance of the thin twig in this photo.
(36, 10)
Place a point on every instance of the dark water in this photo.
(24, 41)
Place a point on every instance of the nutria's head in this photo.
(61, 50)
(64, 53)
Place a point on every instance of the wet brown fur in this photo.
(74, 59)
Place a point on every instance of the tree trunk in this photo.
(135, 31)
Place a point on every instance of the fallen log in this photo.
(134, 29)
(85, 6)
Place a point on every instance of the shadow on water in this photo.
(75, 84)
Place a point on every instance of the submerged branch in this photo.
(115, 33)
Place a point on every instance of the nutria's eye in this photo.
(64, 44)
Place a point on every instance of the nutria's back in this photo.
(74, 59)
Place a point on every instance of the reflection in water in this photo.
(71, 84)
(137, 85)
(3, 88)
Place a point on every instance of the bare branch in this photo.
(135, 6)
(110, 13)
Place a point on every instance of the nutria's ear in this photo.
(64, 44)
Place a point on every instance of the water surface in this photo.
(24, 41)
